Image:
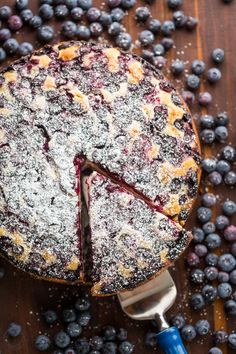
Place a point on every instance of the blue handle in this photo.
(170, 341)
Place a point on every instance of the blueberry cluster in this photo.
(214, 128)
(220, 169)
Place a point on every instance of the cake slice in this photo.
(129, 240)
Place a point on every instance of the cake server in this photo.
(150, 301)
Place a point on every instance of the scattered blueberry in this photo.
(42, 343)
(232, 277)
(230, 308)
(71, 4)
(209, 227)
(167, 43)
(109, 348)
(222, 118)
(207, 121)
(126, 348)
(35, 21)
(158, 49)
(174, 4)
(154, 25)
(192, 259)
(26, 15)
(96, 343)
(109, 333)
(191, 23)
(25, 48)
(215, 178)
(204, 214)
(117, 14)
(105, 19)
(221, 133)
(46, 12)
(61, 11)
(146, 38)
(223, 166)
(5, 12)
(113, 3)
(128, 4)
(124, 40)
(230, 233)
(83, 32)
(204, 99)
(96, 29)
(221, 222)
(188, 97)
(198, 234)
(202, 327)
(209, 165)
(85, 4)
(179, 19)
(14, 23)
(77, 13)
(223, 277)
(224, 290)
(178, 321)
(197, 301)
(74, 329)
(14, 329)
(197, 276)
(232, 340)
(218, 55)
(21, 4)
(211, 259)
(177, 67)
(84, 318)
(167, 28)
(226, 262)
(69, 29)
(11, 46)
(198, 67)
(215, 350)
(3, 56)
(50, 316)
(45, 34)
(61, 339)
(207, 136)
(93, 14)
(213, 241)
(229, 207)
(82, 346)
(220, 337)
(228, 153)
(200, 250)
(193, 82)
(150, 340)
(188, 333)
(142, 14)
(211, 273)
(230, 178)
(209, 293)
(121, 334)
(5, 34)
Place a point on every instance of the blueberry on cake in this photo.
(76, 104)
(130, 241)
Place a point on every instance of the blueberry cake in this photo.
(130, 241)
(75, 105)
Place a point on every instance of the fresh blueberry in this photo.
(109, 333)
(234, 296)
(226, 262)
(5, 34)
(215, 178)
(71, 4)
(49, 2)
(96, 343)
(221, 133)
(105, 19)
(229, 207)
(167, 42)
(94, 352)
(233, 249)
(215, 350)
(154, 25)
(200, 250)
(209, 293)
(74, 329)
(232, 277)
(42, 343)
(14, 23)
(191, 23)
(77, 13)
(188, 97)
(230, 178)
(213, 241)
(177, 321)
(204, 214)
(223, 167)
(96, 29)
(209, 227)
(230, 233)
(46, 12)
(5, 12)
(113, 3)
(211, 273)
(61, 339)
(115, 29)
(198, 67)
(232, 340)
(207, 121)
(14, 329)
(223, 277)
(82, 346)
(174, 4)
(209, 165)
(83, 32)
(192, 259)
(117, 14)
(179, 19)
(202, 327)
(124, 40)
(228, 153)
(35, 21)
(84, 318)
(69, 351)
(188, 333)
(26, 15)
(128, 4)
(221, 222)
(220, 337)
(121, 334)
(45, 34)
(224, 290)
(3, 56)
(50, 316)
(222, 118)
(93, 14)
(109, 348)
(211, 259)
(11, 46)
(21, 4)
(218, 55)
(85, 4)
(198, 234)
(167, 28)
(142, 14)
(197, 301)
(150, 340)
(207, 136)
(126, 348)
(61, 11)
(197, 276)
(158, 49)
(193, 82)
(25, 48)
(230, 308)
(159, 62)
(69, 29)
(147, 54)
(204, 99)
(177, 67)
(146, 38)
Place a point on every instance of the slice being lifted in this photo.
(129, 240)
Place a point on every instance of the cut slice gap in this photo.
(130, 241)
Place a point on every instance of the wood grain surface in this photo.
(22, 298)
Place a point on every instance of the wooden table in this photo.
(22, 298)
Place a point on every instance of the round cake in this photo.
(78, 107)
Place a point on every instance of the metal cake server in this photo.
(150, 301)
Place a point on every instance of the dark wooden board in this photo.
(23, 298)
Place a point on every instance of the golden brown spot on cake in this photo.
(3, 232)
(173, 207)
(171, 130)
(136, 72)
(125, 272)
(10, 76)
(74, 263)
(107, 95)
(69, 53)
(112, 55)
(49, 83)
(48, 257)
(81, 98)
(153, 152)
(141, 264)
(167, 169)
(148, 112)
(174, 112)
(5, 111)
(96, 289)
(111, 96)
(87, 59)
(163, 255)
(2, 136)
(43, 60)
(134, 130)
